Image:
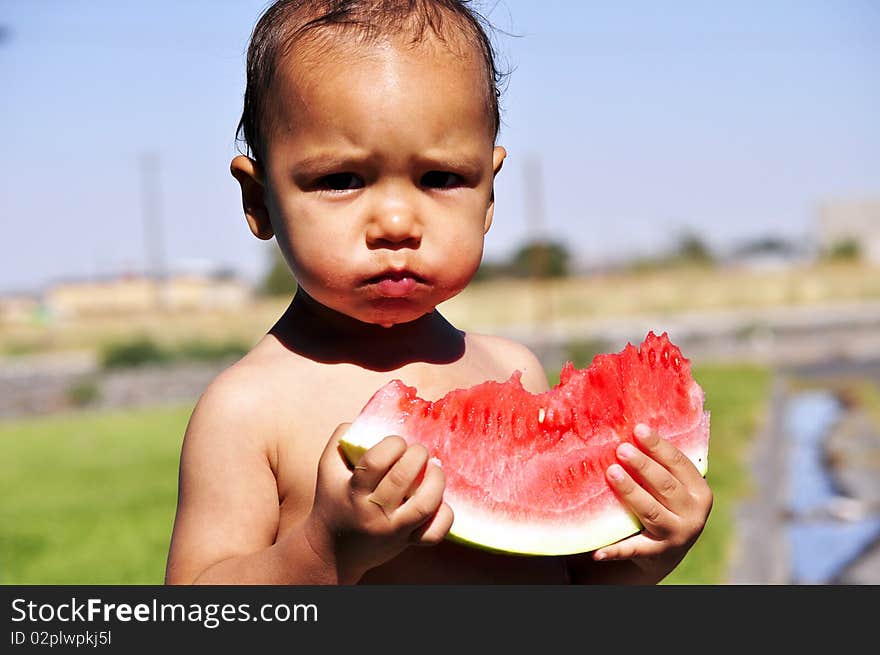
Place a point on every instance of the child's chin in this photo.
(389, 322)
(397, 317)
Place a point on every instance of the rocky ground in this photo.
(42, 387)
(853, 455)
(853, 452)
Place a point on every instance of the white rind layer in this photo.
(475, 526)
(696, 451)
(367, 431)
(492, 530)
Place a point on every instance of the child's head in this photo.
(372, 125)
(289, 26)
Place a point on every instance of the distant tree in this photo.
(278, 280)
(844, 250)
(766, 245)
(543, 259)
(691, 249)
(490, 270)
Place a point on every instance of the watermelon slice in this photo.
(525, 473)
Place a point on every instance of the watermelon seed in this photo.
(541, 415)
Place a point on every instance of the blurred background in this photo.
(711, 170)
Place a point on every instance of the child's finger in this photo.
(435, 529)
(675, 461)
(332, 464)
(426, 501)
(639, 545)
(394, 485)
(655, 518)
(654, 478)
(375, 462)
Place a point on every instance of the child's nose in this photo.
(394, 224)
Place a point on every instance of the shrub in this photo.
(209, 352)
(845, 250)
(581, 352)
(143, 351)
(135, 353)
(83, 393)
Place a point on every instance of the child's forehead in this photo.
(295, 38)
(338, 46)
(315, 66)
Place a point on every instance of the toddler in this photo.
(371, 128)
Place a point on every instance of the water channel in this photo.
(825, 529)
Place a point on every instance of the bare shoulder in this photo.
(227, 495)
(504, 356)
(235, 399)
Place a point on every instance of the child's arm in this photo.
(671, 499)
(228, 506)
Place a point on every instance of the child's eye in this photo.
(441, 180)
(340, 182)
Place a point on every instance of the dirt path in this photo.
(760, 552)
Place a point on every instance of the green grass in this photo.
(89, 498)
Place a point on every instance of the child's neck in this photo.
(317, 332)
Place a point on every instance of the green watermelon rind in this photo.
(486, 532)
(490, 531)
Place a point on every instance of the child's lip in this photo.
(395, 284)
(395, 275)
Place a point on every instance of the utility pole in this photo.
(154, 243)
(536, 219)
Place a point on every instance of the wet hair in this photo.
(286, 21)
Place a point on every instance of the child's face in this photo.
(378, 171)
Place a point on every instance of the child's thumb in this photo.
(333, 461)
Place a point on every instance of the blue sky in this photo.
(644, 119)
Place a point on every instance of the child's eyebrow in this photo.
(454, 160)
(329, 160)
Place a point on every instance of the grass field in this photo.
(89, 498)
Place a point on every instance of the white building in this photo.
(853, 221)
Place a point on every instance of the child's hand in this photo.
(668, 495)
(391, 500)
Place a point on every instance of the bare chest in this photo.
(313, 402)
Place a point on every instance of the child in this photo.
(371, 127)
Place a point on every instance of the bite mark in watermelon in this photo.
(525, 473)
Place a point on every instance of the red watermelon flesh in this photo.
(525, 473)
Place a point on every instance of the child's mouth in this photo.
(395, 284)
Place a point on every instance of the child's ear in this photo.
(250, 177)
(498, 155)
